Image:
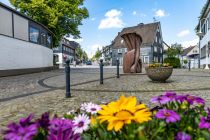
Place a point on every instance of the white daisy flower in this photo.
(81, 123)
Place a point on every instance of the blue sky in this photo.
(107, 17)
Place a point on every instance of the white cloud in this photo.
(134, 13)
(189, 43)
(112, 20)
(160, 13)
(92, 49)
(76, 40)
(113, 13)
(183, 33)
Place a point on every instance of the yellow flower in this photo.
(93, 121)
(123, 111)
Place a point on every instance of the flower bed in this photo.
(179, 117)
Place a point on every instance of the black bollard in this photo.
(101, 71)
(189, 63)
(67, 70)
(118, 71)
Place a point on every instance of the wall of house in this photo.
(146, 54)
(116, 54)
(203, 62)
(195, 50)
(18, 54)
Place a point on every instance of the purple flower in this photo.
(205, 123)
(81, 123)
(171, 95)
(25, 130)
(160, 99)
(168, 115)
(182, 136)
(190, 99)
(62, 129)
(208, 112)
(44, 121)
(26, 121)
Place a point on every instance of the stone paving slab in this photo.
(56, 102)
(181, 80)
(23, 85)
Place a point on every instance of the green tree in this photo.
(97, 54)
(174, 50)
(85, 56)
(79, 52)
(62, 17)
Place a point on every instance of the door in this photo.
(146, 59)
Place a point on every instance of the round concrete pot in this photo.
(159, 74)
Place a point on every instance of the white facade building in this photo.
(25, 44)
(190, 54)
(204, 28)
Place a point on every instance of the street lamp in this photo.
(200, 34)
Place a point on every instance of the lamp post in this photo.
(200, 34)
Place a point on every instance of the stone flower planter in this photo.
(159, 74)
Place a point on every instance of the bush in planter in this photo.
(185, 61)
(173, 61)
(175, 117)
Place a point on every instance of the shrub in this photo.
(185, 61)
(173, 61)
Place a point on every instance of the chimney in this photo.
(140, 24)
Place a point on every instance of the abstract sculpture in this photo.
(131, 60)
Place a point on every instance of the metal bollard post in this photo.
(101, 71)
(67, 70)
(189, 64)
(118, 71)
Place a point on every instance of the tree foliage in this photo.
(173, 61)
(62, 17)
(85, 56)
(82, 55)
(97, 55)
(174, 50)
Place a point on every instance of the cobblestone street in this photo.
(41, 92)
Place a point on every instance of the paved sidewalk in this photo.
(52, 98)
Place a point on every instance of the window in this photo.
(155, 59)
(119, 50)
(161, 59)
(49, 41)
(33, 34)
(203, 52)
(161, 51)
(5, 22)
(56, 49)
(155, 48)
(160, 41)
(43, 39)
(20, 27)
(146, 59)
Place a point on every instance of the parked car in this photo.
(89, 62)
